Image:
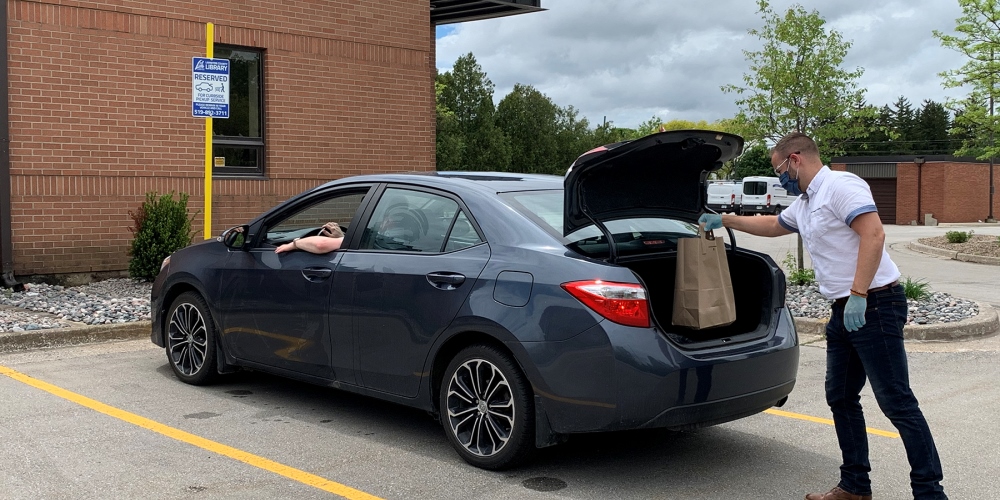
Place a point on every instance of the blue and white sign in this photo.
(209, 87)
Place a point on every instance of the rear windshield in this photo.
(632, 236)
(755, 187)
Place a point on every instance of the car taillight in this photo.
(768, 200)
(732, 199)
(623, 303)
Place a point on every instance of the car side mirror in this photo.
(235, 237)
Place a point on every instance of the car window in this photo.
(340, 208)
(632, 236)
(414, 221)
(462, 235)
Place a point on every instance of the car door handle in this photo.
(316, 274)
(445, 281)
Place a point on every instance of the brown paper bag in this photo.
(703, 289)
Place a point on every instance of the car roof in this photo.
(484, 182)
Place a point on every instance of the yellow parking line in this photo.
(788, 414)
(228, 451)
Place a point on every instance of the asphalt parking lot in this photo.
(258, 436)
(109, 420)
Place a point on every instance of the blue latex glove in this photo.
(711, 221)
(854, 313)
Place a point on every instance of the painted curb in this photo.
(985, 323)
(84, 334)
(951, 254)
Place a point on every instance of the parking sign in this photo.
(209, 87)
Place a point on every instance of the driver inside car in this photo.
(330, 238)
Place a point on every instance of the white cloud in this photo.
(631, 59)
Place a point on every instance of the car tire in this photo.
(487, 409)
(190, 340)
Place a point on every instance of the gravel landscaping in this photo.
(978, 244)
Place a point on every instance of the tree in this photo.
(528, 118)
(449, 145)
(904, 126)
(796, 81)
(755, 160)
(469, 95)
(931, 130)
(978, 39)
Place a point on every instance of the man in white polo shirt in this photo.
(840, 227)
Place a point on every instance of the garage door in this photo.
(884, 192)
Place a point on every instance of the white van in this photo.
(725, 196)
(764, 195)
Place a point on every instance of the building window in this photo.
(238, 142)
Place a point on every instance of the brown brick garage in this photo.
(951, 189)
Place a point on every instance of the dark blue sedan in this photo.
(520, 309)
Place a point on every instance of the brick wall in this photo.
(100, 109)
(950, 191)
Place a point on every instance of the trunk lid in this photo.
(661, 176)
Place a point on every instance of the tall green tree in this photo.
(469, 95)
(756, 160)
(931, 129)
(977, 37)
(573, 138)
(904, 122)
(449, 141)
(528, 118)
(796, 81)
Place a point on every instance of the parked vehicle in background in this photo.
(518, 309)
(725, 196)
(764, 195)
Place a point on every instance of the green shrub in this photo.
(958, 236)
(916, 289)
(161, 227)
(795, 275)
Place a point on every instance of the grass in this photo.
(916, 289)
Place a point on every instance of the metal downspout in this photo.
(6, 233)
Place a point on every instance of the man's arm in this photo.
(869, 228)
(764, 225)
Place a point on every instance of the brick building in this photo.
(100, 112)
(906, 188)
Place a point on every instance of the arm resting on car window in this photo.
(311, 244)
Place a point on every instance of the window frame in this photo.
(259, 145)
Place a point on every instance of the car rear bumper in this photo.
(759, 209)
(638, 379)
(724, 207)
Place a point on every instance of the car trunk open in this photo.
(753, 289)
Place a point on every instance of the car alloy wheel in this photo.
(191, 339)
(485, 408)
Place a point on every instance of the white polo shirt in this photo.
(823, 216)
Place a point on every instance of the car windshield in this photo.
(632, 236)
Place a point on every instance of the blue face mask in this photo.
(792, 186)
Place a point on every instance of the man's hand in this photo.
(711, 221)
(854, 313)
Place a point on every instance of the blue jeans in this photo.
(876, 352)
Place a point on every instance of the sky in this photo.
(625, 61)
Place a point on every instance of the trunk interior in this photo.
(753, 289)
